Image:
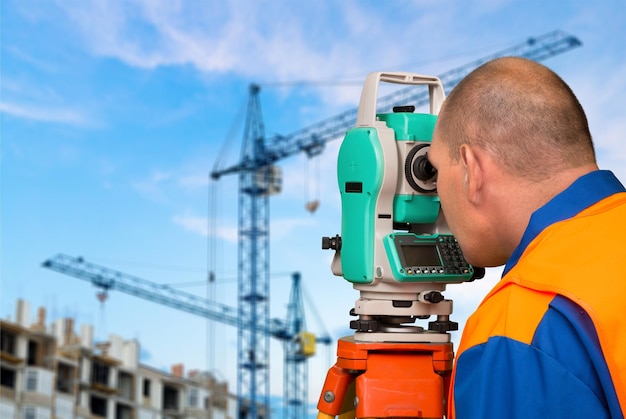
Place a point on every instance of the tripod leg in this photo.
(337, 398)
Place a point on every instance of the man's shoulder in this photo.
(510, 311)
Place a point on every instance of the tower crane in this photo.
(296, 352)
(298, 344)
(259, 178)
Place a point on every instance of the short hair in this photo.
(521, 112)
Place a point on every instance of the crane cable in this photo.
(318, 320)
(228, 140)
(211, 236)
(312, 184)
(211, 232)
(211, 268)
(102, 297)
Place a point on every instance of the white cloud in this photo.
(227, 229)
(44, 114)
(155, 33)
(261, 40)
(192, 223)
(603, 100)
(153, 185)
(194, 181)
(199, 225)
(284, 227)
(610, 147)
(30, 98)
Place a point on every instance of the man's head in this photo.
(509, 137)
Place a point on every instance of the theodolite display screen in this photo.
(421, 255)
(423, 258)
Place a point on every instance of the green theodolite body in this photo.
(372, 180)
(360, 170)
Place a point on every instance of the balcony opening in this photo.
(33, 349)
(98, 406)
(7, 378)
(125, 385)
(100, 373)
(170, 397)
(65, 378)
(7, 342)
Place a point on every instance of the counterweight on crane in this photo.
(298, 344)
(258, 180)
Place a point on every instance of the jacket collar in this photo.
(583, 193)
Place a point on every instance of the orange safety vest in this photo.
(581, 258)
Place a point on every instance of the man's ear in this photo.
(473, 173)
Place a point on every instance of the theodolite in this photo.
(397, 251)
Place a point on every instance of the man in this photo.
(519, 186)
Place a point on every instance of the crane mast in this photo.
(295, 373)
(253, 260)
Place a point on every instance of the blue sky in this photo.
(112, 115)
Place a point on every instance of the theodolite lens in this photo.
(418, 172)
(422, 169)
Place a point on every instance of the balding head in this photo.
(509, 138)
(520, 112)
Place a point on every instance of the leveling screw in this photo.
(329, 396)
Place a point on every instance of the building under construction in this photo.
(49, 371)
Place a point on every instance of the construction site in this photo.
(49, 370)
(159, 263)
(57, 353)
